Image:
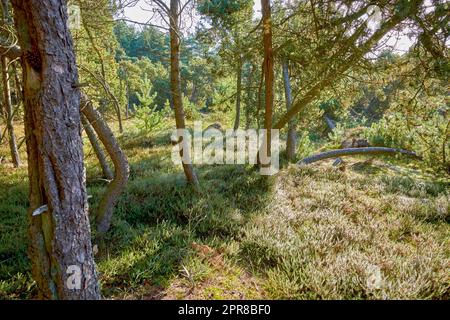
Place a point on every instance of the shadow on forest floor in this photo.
(306, 233)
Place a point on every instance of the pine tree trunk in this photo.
(106, 171)
(237, 118)
(249, 98)
(8, 109)
(175, 88)
(60, 237)
(291, 142)
(106, 206)
(268, 75)
(330, 123)
(9, 113)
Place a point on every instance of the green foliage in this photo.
(387, 133)
(222, 99)
(344, 225)
(318, 231)
(247, 222)
(148, 42)
(190, 109)
(428, 140)
(150, 117)
(95, 48)
(133, 73)
(222, 9)
(304, 145)
(146, 52)
(337, 135)
(330, 107)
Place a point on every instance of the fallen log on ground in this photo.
(355, 151)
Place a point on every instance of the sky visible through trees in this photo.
(400, 42)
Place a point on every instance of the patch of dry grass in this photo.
(332, 234)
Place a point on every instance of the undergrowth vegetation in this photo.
(369, 229)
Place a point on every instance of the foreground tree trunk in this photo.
(291, 142)
(268, 76)
(122, 171)
(175, 88)
(59, 231)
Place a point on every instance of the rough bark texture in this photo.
(291, 141)
(175, 87)
(268, 74)
(60, 237)
(354, 151)
(9, 113)
(107, 173)
(122, 171)
(237, 118)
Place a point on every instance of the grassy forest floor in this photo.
(316, 232)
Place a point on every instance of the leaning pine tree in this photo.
(174, 12)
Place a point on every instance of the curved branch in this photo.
(355, 151)
(122, 170)
(9, 47)
(107, 173)
(12, 52)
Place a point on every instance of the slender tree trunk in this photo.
(127, 110)
(8, 109)
(107, 173)
(175, 88)
(18, 84)
(260, 90)
(9, 113)
(106, 206)
(268, 75)
(59, 231)
(3, 4)
(291, 142)
(237, 118)
(249, 97)
(330, 123)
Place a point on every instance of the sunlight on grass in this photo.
(309, 233)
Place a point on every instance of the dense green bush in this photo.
(305, 147)
(429, 138)
(150, 117)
